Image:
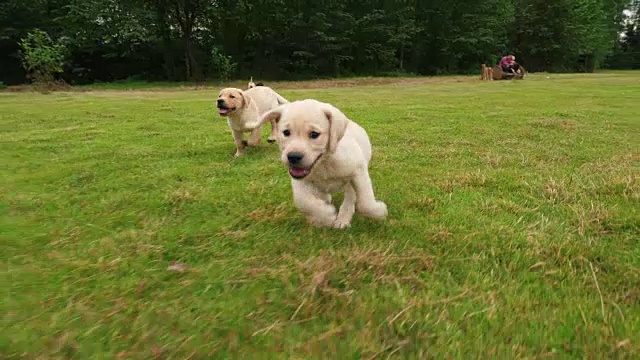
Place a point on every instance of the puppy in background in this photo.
(326, 153)
(251, 84)
(243, 110)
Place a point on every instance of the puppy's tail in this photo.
(281, 100)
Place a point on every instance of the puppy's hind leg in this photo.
(366, 203)
(348, 207)
(313, 204)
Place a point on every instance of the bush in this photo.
(42, 58)
(222, 64)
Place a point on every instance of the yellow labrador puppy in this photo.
(326, 153)
(251, 84)
(243, 110)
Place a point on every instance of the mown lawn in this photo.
(514, 227)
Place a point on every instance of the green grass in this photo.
(513, 228)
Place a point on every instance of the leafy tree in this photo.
(173, 39)
(42, 57)
(222, 64)
(627, 50)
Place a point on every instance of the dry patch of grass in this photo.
(142, 89)
(551, 123)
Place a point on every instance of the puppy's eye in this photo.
(314, 134)
(286, 133)
(231, 96)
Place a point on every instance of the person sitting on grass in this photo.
(507, 64)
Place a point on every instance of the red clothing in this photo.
(506, 61)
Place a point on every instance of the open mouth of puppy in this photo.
(224, 110)
(298, 172)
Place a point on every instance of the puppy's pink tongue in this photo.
(297, 172)
(223, 111)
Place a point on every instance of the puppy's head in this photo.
(251, 83)
(230, 100)
(308, 130)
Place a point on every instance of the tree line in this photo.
(106, 40)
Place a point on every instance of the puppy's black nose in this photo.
(220, 101)
(294, 158)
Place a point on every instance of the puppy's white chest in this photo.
(330, 185)
(237, 125)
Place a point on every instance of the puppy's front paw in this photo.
(323, 217)
(342, 223)
(378, 210)
(321, 221)
(238, 154)
(381, 210)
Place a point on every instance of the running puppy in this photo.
(243, 110)
(326, 153)
(251, 84)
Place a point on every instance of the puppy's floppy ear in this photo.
(245, 99)
(274, 114)
(337, 126)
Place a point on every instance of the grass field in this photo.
(513, 231)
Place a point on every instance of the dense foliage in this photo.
(42, 58)
(627, 51)
(275, 39)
